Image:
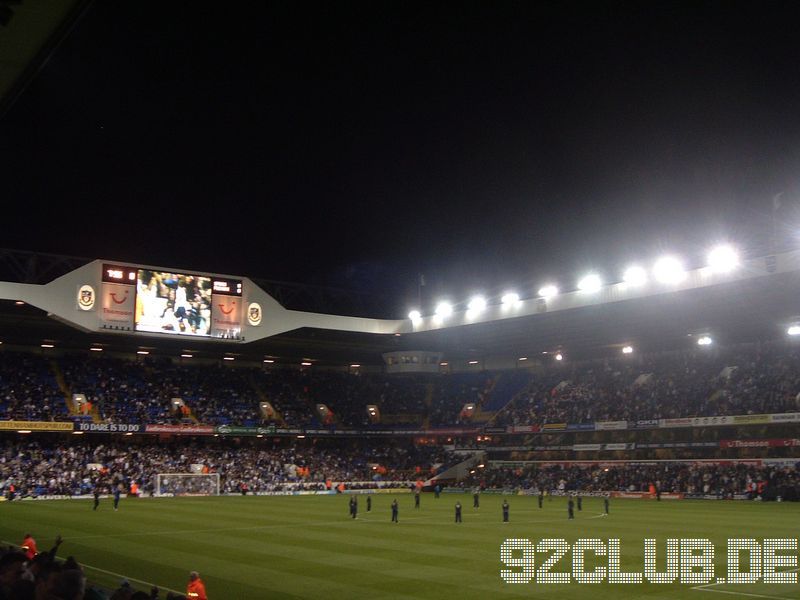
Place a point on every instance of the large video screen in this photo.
(173, 303)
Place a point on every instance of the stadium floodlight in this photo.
(723, 259)
(186, 356)
(669, 269)
(95, 349)
(548, 291)
(473, 362)
(510, 298)
(142, 352)
(444, 310)
(305, 363)
(228, 358)
(355, 366)
(704, 341)
(523, 358)
(559, 356)
(415, 315)
(590, 283)
(47, 346)
(635, 275)
(269, 361)
(793, 330)
(627, 350)
(477, 304)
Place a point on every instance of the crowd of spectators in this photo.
(725, 479)
(745, 380)
(27, 574)
(49, 466)
(127, 391)
(28, 389)
(142, 391)
(707, 382)
(453, 392)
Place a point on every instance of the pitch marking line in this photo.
(703, 588)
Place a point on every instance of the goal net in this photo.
(187, 484)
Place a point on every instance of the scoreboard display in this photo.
(154, 301)
(115, 274)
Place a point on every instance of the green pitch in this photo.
(309, 547)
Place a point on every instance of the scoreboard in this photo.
(151, 300)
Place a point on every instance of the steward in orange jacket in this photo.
(196, 590)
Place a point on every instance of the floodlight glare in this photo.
(704, 341)
(635, 275)
(510, 298)
(793, 330)
(559, 356)
(723, 259)
(627, 350)
(548, 291)
(444, 309)
(415, 315)
(590, 283)
(477, 304)
(668, 270)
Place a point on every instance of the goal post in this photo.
(186, 484)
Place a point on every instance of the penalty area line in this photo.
(702, 589)
(706, 587)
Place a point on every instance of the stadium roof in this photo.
(29, 32)
(743, 310)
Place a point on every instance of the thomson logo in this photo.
(225, 310)
(114, 297)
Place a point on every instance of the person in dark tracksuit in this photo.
(96, 497)
(458, 512)
(571, 508)
(353, 507)
(437, 490)
(580, 503)
(394, 511)
(416, 499)
(476, 500)
(605, 503)
(117, 492)
(541, 498)
(505, 511)
(369, 503)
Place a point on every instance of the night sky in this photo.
(358, 145)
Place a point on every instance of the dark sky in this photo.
(359, 144)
